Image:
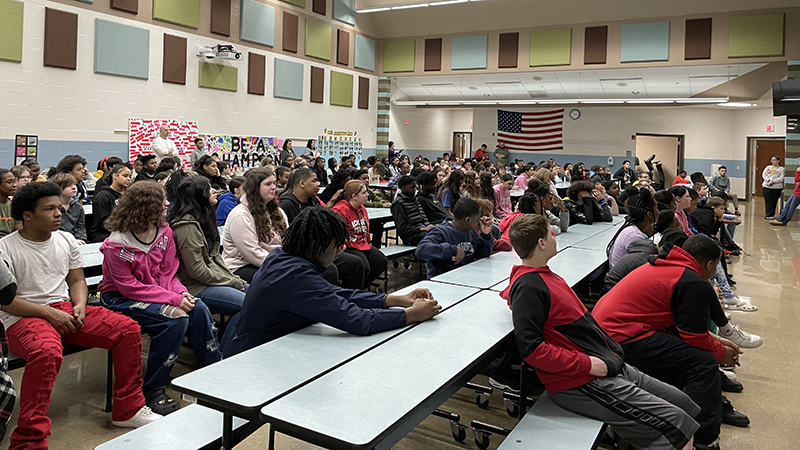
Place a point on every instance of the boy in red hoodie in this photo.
(579, 364)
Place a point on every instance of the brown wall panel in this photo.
(290, 24)
(508, 50)
(221, 17)
(433, 54)
(342, 47)
(698, 39)
(363, 93)
(317, 84)
(131, 6)
(320, 7)
(256, 73)
(60, 39)
(174, 63)
(595, 45)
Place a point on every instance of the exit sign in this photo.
(770, 128)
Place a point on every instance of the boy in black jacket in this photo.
(409, 218)
(581, 367)
(426, 197)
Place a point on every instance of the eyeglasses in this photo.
(26, 178)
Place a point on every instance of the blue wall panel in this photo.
(365, 53)
(645, 42)
(258, 23)
(121, 49)
(345, 11)
(288, 80)
(470, 52)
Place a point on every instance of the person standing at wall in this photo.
(501, 155)
(791, 205)
(198, 152)
(162, 145)
(772, 186)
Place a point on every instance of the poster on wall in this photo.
(141, 133)
(335, 144)
(27, 147)
(243, 152)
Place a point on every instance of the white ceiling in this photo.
(658, 82)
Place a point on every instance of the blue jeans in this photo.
(788, 209)
(226, 301)
(166, 335)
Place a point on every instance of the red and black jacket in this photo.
(554, 332)
(665, 295)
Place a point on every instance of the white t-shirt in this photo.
(41, 268)
(161, 148)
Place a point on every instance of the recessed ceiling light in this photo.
(538, 78)
(473, 88)
(486, 95)
(635, 92)
(622, 84)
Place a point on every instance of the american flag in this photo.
(531, 131)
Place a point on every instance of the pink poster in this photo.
(141, 133)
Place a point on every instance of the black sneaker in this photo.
(731, 416)
(506, 383)
(713, 446)
(729, 385)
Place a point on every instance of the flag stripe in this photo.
(526, 126)
(542, 119)
(509, 138)
(531, 131)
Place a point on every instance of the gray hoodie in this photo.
(638, 252)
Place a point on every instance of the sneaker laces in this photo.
(741, 333)
(146, 411)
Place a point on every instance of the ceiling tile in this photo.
(618, 73)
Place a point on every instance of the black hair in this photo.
(678, 191)
(702, 248)
(235, 182)
(371, 160)
(174, 181)
(682, 173)
(192, 197)
(406, 180)
(359, 173)
(286, 142)
(144, 158)
(280, 170)
(27, 197)
(698, 177)
(673, 238)
(69, 162)
(222, 165)
(426, 177)
(342, 176)
(332, 163)
(165, 165)
(527, 204)
(535, 186)
(108, 177)
(693, 194)
(579, 186)
(623, 162)
(640, 202)
(312, 231)
(665, 219)
(197, 139)
(664, 198)
(308, 144)
(723, 167)
(204, 160)
(466, 207)
(29, 162)
(161, 176)
(295, 177)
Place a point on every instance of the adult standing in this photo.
(392, 152)
(501, 154)
(287, 153)
(772, 186)
(311, 149)
(791, 205)
(198, 152)
(162, 145)
(721, 182)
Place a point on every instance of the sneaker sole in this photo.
(503, 387)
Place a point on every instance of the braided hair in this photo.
(312, 231)
(640, 203)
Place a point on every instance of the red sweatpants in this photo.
(39, 344)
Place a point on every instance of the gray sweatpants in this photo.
(647, 413)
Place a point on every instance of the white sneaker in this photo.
(141, 418)
(743, 339)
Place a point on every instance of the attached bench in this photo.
(200, 428)
(393, 253)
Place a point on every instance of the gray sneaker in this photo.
(743, 339)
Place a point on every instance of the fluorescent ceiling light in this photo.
(478, 103)
(556, 102)
(447, 2)
(372, 10)
(736, 104)
(440, 103)
(700, 100)
(601, 102)
(651, 101)
(408, 103)
(415, 5)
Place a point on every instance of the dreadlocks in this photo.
(313, 231)
(639, 204)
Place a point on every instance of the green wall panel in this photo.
(180, 12)
(756, 35)
(341, 89)
(288, 80)
(217, 76)
(258, 23)
(318, 39)
(300, 3)
(551, 47)
(398, 56)
(11, 18)
(121, 50)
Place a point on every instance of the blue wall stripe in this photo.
(704, 165)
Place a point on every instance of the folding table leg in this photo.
(227, 432)
(271, 438)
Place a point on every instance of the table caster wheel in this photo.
(458, 431)
(481, 438)
(512, 408)
(395, 264)
(407, 265)
(482, 400)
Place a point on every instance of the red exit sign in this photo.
(769, 128)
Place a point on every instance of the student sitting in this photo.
(228, 200)
(254, 227)
(586, 205)
(50, 310)
(73, 219)
(577, 361)
(409, 217)
(681, 180)
(639, 224)
(149, 165)
(290, 293)
(140, 262)
(201, 269)
(207, 167)
(433, 209)
(525, 175)
(405, 169)
(338, 180)
(502, 196)
(457, 243)
(677, 298)
(281, 178)
(450, 191)
(8, 397)
(550, 204)
(116, 182)
(374, 200)
(75, 165)
(8, 187)
(349, 204)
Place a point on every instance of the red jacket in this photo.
(797, 183)
(357, 224)
(505, 224)
(663, 295)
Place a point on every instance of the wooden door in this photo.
(765, 150)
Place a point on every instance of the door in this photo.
(666, 149)
(765, 149)
(462, 144)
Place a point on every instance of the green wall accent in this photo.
(121, 50)
(11, 18)
(756, 35)
(300, 3)
(341, 89)
(551, 47)
(398, 56)
(180, 12)
(217, 76)
(318, 39)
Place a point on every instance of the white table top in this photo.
(91, 254)
(87, 210)
(379, 213)
(483, 273)
(517, 192)
(573, 264)
(380, 186)
(348, 407)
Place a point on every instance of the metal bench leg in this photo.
(109, 382)
(227, 432)
(271, 438)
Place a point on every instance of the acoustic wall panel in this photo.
(288, 80)
(320, 7)
(291, 24)
(179, 12)
(345, 11)
(697, 42)
(131, 6)
(317, 84)
(342, 47)
(756, 35)
(121, 50)
(91, 2)
(398, 56)
(469, 52)
(645, 42)
(363, 93)
(551, 47)
(433, 55)
(11, 18)
(341, 89)
(60, 39)
(217, 76)
(258, 23)
(256, 73)
(508, 50)
(365, 53)
(174, 61)
(221, 17)
(318, 39)
(595, 45)
(300, 3)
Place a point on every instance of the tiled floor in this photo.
(769, 274)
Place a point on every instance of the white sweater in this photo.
(240, 243)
